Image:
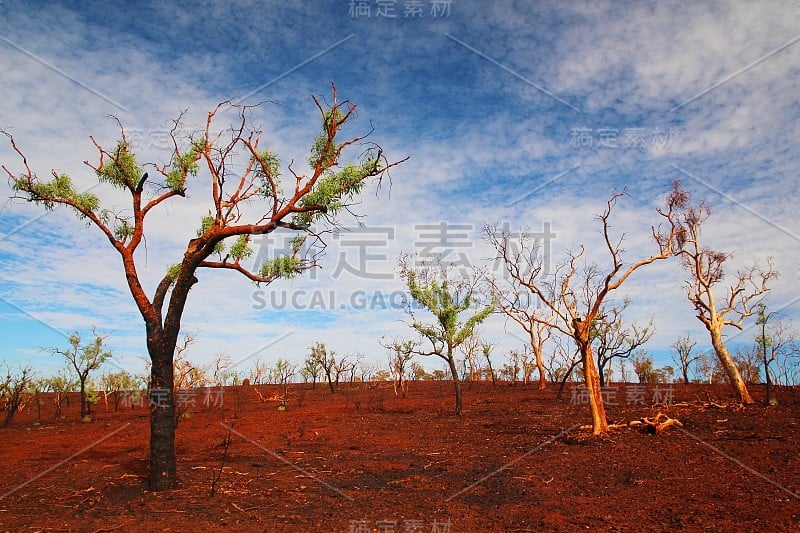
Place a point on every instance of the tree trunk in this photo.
(537, 353)
(162, 418)
(685, 370)
(734, 377)
(83, 398)
(456, 383)
(592, 378)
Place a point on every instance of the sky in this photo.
(530, 114)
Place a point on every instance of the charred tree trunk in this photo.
(456, 383)
(162, 418)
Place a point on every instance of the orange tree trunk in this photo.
(734, 377)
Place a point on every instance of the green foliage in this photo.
(205, 224)
(123, 230)
(268, 171)
(59, 188)
(173, 272)
(286, 266)
(241, 248)
(333, 189)
(446, 305)
(184, 166)
(121, 170)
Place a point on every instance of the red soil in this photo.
(362, 460)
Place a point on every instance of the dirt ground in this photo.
(363, 460)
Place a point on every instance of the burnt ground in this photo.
(363, 460)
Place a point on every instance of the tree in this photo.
(446, 300)
(643, 367)
(401, 352)
(326, 362)
(60, 385)
(84, 359)
(775, 343)
(683, 357)
(469, 349)
(258, 373)
(311, 368)
(521, 255)
(115, 384)
(706, 271)
(574, 297)
(247, 198)
(613, 339)
(12, 391)
(486, 350)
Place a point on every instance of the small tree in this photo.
(486, 350)
(117, 383)
(311, 369)
(445, 300)
(84, 359)
(13, 388)
(401, 352)
(326, 362)
(683, 357)
(60, 385)
(643, 367)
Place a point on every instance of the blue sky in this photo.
(513, 112)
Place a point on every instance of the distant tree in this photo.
(246, 197)
(115, 384)
(220, 373)
(418, 372)
(683, 357)
(446, 300)
(311, 368)
(643, 367)
(60, 385)
(258, 373)
(84, 359)
(470, 349)
(401, 352)
(776, 344)
(13, 387)
(486, 350)
(706, 271)
(327, 363)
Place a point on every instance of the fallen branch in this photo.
(656, 424)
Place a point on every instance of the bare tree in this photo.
(12, 391)
(247, 197)
(683, 357)
(522, 256)
(706, 270)
(574, 297)
(258, 373)
(401, 352)
(614, 339)
(470, 349)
